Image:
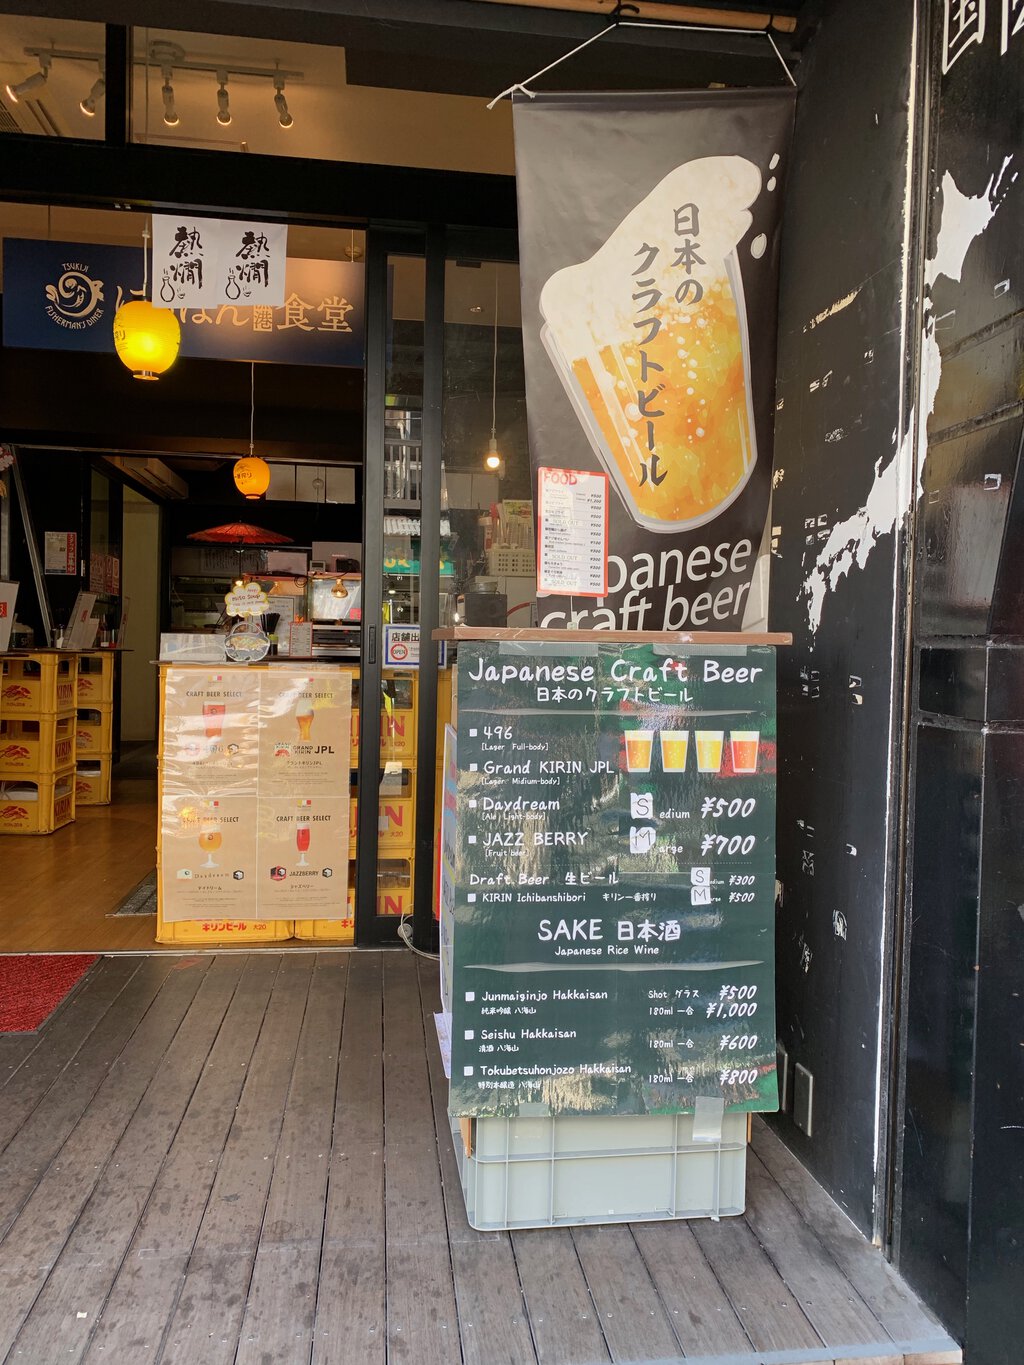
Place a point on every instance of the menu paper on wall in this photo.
(60, 552)
(255, 793)
(572, 533)
(614, 898)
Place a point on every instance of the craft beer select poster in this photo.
(649, 249)
(255, 810)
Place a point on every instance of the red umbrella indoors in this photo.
(239, 533)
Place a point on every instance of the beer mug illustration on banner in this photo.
(649, 338)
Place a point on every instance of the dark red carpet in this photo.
(32, 986)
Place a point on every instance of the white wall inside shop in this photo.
(140, 576)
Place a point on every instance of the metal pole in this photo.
(33, 553)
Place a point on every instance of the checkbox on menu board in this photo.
(467, 1071)
(472, 804)
(472, 839)
(472, 767)
(470, 996)
(471, 898)
(472, 734)
(469, 1035)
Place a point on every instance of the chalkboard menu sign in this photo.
(614, 879)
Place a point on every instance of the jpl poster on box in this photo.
(615, 879)
(305, 727)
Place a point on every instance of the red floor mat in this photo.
(33, 985)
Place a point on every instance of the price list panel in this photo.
(614, 879)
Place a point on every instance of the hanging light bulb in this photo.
(284, 118)
(251, 474)
(167, 94)
(99, 89)
(146, 339)
(223, 108)
(30, 83)
(492, 459)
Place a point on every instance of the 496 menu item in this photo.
(615, 879)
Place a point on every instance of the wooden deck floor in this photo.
(245, 1158)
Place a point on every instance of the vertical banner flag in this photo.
(212, 261)
(649, 247)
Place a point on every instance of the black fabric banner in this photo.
(649, 247)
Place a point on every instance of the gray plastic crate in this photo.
(547, 1172)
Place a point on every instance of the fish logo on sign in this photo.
(76, 300)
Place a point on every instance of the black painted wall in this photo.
(837, 517)
(960, 1174)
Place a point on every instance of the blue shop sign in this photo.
(62, 296)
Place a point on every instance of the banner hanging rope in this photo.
(523, 87)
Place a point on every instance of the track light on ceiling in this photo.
(99, 89)
(30, 83)
(223, 108)
(284, 118)
(167, 94)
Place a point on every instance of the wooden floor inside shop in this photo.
(244, 1157)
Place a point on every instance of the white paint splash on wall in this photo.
(830, 312)
(964, 218)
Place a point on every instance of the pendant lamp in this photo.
(251, 474)
(146, 339)
(492, 459)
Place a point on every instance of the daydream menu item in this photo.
(611, 901)
(649, 338)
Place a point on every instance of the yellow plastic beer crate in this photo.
(397, 735)
(94, 732)
(46, 745)
(92, 782)
(336, 930)
(95, 678)
(396, 824)
(37, 685)
(218, 933)
(38, 805)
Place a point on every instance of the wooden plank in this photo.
(769, 1312)
(422, 1321)
(351, 1306)
(492, 1319)
(281, 1303)
(562, 1315)
(143, 1295)
(44, 1131)
(540, 635)
(702, 1315)
(892, 1302)
(834, 1308)
(39, 1233)
(77, 1286)
(207, 1317)
(632, 1315)
(54, 1048)
(14, 1048)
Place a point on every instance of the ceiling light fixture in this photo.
(99, 89)
(30, 83)
(167, 92)
(223, 109)
(284, 118)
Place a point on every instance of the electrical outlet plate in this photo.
(803, 1099)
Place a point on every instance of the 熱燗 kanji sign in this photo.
(199, 262)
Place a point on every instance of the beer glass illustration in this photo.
(210, 837)
(639, 748)
(743, 746)
(709, 750)
(304, 717)
(674, 746)
(213, 719)
(302, 833)
(652, 346)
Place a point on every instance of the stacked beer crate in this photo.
(94, 739)
(37, 742)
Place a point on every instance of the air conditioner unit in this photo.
(151, 474)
